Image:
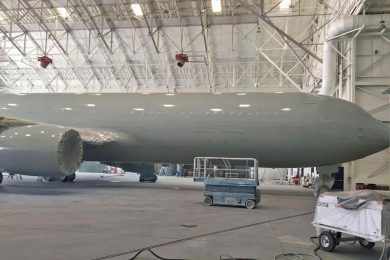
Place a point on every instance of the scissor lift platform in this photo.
(234, 192)
(228, 181)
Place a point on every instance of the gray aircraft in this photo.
(51, 134)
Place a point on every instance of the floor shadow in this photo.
(34, 191)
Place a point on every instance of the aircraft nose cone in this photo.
(388, 136)
(372, 138)
(381, 134)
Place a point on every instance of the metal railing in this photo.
(225, 167)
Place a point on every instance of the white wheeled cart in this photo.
(361, 216)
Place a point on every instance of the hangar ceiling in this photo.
(105, 46)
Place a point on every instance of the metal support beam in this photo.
(268, 21)
(296, 85)
(143, 42)
(26, 32)
(51, 35)
(107, 51)
(121, 42)
(273, 63)
(206, 41)
(299, 58)
(168, 55)
(79, 46)
(44, 27)
(100, 34)
(11, 40)
(151, 34)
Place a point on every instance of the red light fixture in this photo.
(45, 61)
(181, 59)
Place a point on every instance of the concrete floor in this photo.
(96, 220)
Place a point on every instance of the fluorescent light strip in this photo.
(216, 6)
(63, 12)
(137, 10)
(285, 4)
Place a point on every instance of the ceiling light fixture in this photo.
(137, 10)
(63, 12)
(138, 109)
(244, 105)
(67, 108)
(241, 94)
(285, 4)
(216, 6)
(286, 109)
(12, 105)
(169, 105)
(216, 109)
(90, 105)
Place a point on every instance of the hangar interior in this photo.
(338, 48)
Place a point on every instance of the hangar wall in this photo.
(368, 89)
(362, 77)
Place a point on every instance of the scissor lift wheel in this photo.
(250, 204)
(327, 241)
(208, 200)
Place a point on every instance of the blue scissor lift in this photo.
(228, 181)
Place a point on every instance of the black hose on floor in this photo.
(315, 250)
(154, 254)
(213, 233)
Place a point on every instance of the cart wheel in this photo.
(250, 204)
(366, 244)
(208, 200)
(327, 241)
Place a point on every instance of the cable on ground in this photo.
(154, 254)
(203, 235)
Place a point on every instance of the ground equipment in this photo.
(228, 181)
(362, 216)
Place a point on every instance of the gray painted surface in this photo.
(317, 130)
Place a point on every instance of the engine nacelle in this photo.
(40, 150)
